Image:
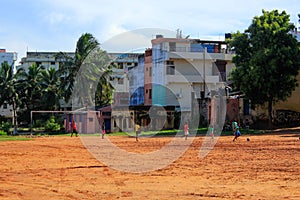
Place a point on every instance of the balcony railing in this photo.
(191, 79)
(199, 50)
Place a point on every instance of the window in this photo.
(150, 71)
(120, 66)
(52, 63)
(120, 81)
(106, 113)
(172, 46)
(150, 93)
(170, 68)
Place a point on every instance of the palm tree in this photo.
(8, 90)
(29, 87)
(104, 91)
(70, 67)
(50, 86)
(83, 70)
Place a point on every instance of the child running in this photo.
(236, 131)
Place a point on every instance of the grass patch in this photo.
(4, 138)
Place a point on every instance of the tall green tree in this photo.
(104, 90)
(98, 75)
(84, 70)
(50, 86)
(29, 88)
(70, 66)
(267, 60)
(8, 94)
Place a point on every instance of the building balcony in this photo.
(209, 79)
(199, 55)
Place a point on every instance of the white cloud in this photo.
(56, 18)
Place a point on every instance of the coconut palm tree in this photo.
(8, 90)
(84, 70)
(50, 86)
(70, 66)
(29, 87)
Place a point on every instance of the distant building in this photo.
(9, 57)
(121, 118)
(296, 34)
(45, 59)
(136, 82)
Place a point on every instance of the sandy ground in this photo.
(266, 167)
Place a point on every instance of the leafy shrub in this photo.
(3, 132)
(5, 127)
(51, 125)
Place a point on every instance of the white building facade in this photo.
(46, 59)
(184, 71)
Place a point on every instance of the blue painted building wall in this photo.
(159, 56)
(137, 87)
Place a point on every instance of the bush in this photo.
(51, 125)
(5, 127)
(3, 132)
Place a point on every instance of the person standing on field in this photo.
(137, 132)
(103, 130)
(74, 129)
(211, 132)
(186, 130)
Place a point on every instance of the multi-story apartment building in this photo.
(121, 119)
(45, 59)
(136, 82)
(187, 71)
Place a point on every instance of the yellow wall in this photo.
(292, 103)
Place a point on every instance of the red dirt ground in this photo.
(267, 167)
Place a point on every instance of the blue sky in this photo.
(56, 25)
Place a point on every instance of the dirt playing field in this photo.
(266, 167)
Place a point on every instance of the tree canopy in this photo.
(267, 59)
(90, 67)
(9, 95)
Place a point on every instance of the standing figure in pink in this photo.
(186, 130)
